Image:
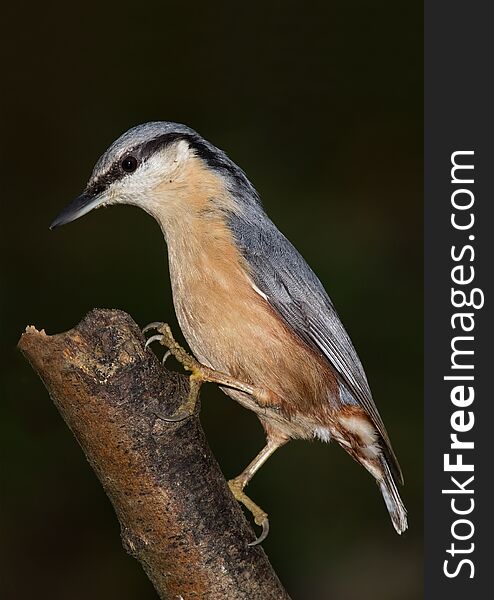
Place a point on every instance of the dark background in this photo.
(321, 105)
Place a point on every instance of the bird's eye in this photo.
(129, 164)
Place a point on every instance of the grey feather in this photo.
(295, 292)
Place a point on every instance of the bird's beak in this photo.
(77, 208)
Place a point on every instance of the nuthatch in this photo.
(254, 314)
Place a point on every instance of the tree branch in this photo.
(177, 515)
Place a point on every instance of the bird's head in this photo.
(168, 170)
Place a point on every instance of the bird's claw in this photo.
(158, 338)
(260, 517)
(154, 338)
(164, 335)
(165, 338)
(264, 533)
(153, 325)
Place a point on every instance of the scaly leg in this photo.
(238, 484)
(199, 373)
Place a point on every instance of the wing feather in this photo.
(295, 292)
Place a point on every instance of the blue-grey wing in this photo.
(295, 292)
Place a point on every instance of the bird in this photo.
(255, 316)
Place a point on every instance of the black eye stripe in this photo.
(99, 188)
(116, 172)
(140, 153)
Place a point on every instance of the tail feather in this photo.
(394, 504)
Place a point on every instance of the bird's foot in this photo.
(260, 517)
(165, 338)
(200, 373)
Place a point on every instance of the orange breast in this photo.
(231, 327)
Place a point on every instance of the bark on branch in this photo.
(177, 515)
